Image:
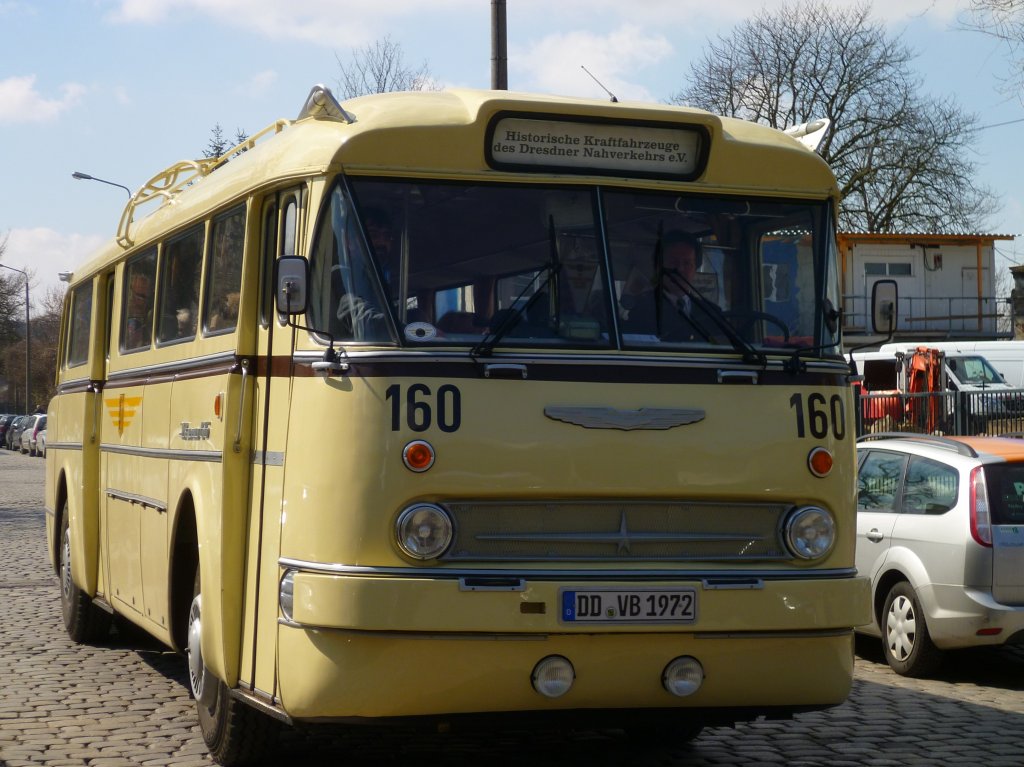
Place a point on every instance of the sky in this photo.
(121, 89)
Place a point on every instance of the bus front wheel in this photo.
(234, 733)
(83, 620)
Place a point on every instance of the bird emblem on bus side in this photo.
(626, 420)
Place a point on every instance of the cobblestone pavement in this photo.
(127, 703)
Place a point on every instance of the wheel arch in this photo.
(203, 533)
(885, 583)
(58, 519)
(184, 551)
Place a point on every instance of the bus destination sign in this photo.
(636, 149)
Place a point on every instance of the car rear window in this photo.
(1005, 482)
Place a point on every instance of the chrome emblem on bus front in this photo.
(627, 420)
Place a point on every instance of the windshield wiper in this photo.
(519, 308)
(714, 313)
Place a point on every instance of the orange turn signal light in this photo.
(820, 461)
(418, 455)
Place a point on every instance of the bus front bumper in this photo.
(374, 647)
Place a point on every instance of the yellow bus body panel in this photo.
(342, 674)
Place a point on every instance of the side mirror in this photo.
(292, 282)
(884, 303)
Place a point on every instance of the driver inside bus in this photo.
(360, 315)
(677, 313)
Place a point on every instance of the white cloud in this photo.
(43, 253)
(20, 102)
(259, 84)
(696, 14)
(331, 23)
(554, 63)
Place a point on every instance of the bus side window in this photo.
(280, 237)
(224, 272)
(137, 302)
(81, 315)
(109, 324)
(179, 287)
(267, 263)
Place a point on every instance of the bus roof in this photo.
(443, 133)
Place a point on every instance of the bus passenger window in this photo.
(137, 302)
(81, 314)
(179, 287)
(224, 273)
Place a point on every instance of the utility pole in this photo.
(499, 46)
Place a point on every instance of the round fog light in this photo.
(553, 676)
(683, 676)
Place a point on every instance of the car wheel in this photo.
(908, 646)
(234, 733)
(83, 620)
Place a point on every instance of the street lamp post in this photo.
(86, 177)
(28, 342)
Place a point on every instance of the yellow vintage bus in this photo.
(432, 405)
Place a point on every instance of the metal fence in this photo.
(957, 413)
(936, 314)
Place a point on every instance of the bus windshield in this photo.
(495, 265)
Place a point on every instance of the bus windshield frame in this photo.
(431, 263)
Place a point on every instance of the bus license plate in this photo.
(629, 606)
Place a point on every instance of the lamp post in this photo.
(28, 342)
(86, 177)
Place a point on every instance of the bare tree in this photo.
(45, 336)
(903, 159)
(12, 330)
(381, 68)
(1003, 20)
(12, 301)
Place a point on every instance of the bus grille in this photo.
(616, 531)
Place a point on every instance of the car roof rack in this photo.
(931, 439)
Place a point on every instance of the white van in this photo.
(1007, 357)
(970, 366)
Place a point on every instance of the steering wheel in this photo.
(743, 321)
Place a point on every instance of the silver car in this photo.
(940, 531)
(30, 428)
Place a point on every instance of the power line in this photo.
(999, 125)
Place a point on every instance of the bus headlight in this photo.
(424, 531)
(810, 532)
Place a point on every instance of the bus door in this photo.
(77, 425)
(281, 224)
(129, 492)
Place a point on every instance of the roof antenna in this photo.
(614, 100)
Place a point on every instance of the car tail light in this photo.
(981, 522)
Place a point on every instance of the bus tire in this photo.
(84, 621)
(234, 733)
